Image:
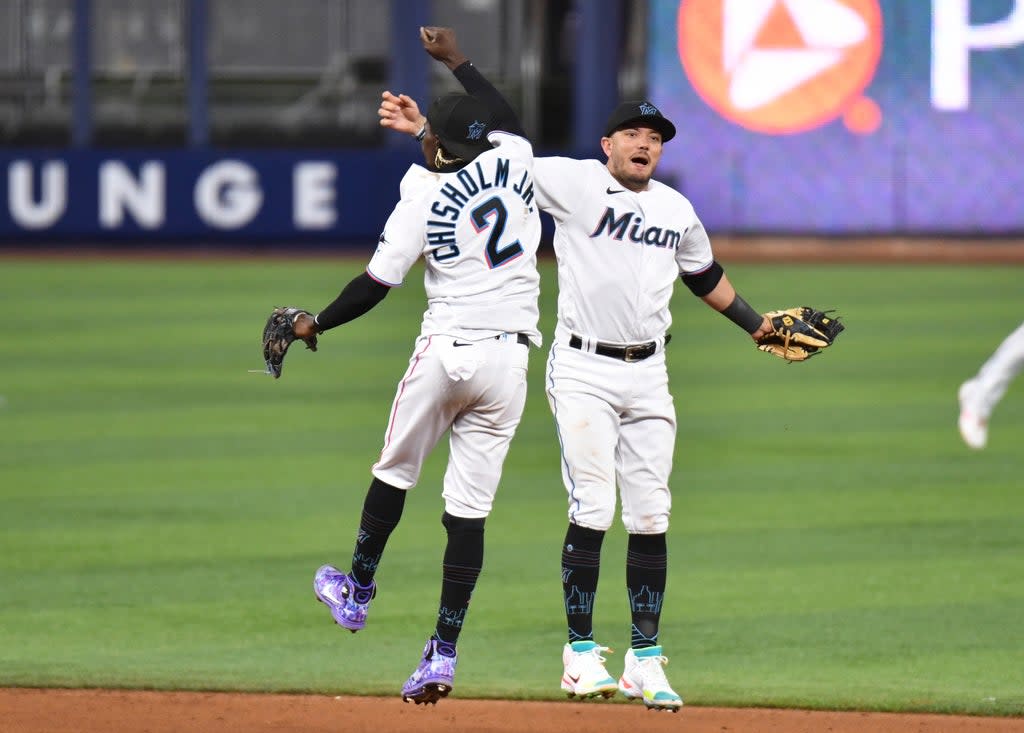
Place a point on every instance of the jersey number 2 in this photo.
(496, 255)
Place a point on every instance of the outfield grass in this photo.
(834, 544)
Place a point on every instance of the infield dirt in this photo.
(112, 711)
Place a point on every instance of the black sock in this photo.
(646, 571)
(382, 511)
(463, 559)
(581, 565)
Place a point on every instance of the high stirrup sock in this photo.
(581, 566)
(646, 571)
(463, 559)
(382, 511)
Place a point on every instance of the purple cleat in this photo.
(435, 675)
(349, 602)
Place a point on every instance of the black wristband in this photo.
(740, 313)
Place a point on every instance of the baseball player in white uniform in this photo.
(980, 394)
(621, 240)
(473, 219)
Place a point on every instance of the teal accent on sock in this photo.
(583, 646)
(651, 651)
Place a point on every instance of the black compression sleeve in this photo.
(476, 84)
(740, 313)
(703, 283)
(359, 296)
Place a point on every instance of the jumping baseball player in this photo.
(473, 219)
(621, 240)
(980, 394)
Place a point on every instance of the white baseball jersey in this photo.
(619, 256)
(478, 230)
(619, 252)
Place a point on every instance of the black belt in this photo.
(633, 352)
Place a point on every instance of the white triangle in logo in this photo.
(827, 23)
(742, 20)
(759, 76)
(764, 76)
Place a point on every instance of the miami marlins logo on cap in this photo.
(639, 112)
(461, 122)
(783, 66)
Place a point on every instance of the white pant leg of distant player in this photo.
(980, 394)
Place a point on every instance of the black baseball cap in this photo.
(640, 113)
(461, 122)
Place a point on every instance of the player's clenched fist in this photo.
(440, 43)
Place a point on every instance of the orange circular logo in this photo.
(783, 66)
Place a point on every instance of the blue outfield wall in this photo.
(198, 195)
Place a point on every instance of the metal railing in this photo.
(270, 72)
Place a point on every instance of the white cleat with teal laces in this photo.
(584, 675)
(644, 679)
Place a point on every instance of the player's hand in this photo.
(400, 113)
(440, 43)
(763, 330)
(304, 326)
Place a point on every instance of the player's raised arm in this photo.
(440, 43)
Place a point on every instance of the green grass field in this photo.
(834, 544)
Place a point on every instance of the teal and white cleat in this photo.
(585, 675)
(644, 679)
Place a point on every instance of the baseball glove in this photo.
(799, 333)
(278, 334)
